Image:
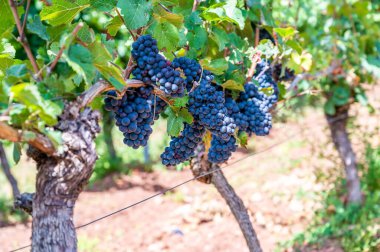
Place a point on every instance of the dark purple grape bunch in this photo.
(191, 69)
(207, 105)
(134, 113)
(255, 108)
(266, 83)
(153, 68)
(182, 148)
(221, 150)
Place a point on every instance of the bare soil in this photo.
(279, 186)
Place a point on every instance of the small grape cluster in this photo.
(153, 68)
(191, 69)
(221, 150)
(134, 114)
(182, 148)
(207, 105)
(254, 106)
(251, 111)
(266, 82)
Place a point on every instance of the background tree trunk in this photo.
(146, 154)
(337, 124)
(7, 171)
(60, 179)
(107, 133)
(199, 166)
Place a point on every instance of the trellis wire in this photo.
(185, 182)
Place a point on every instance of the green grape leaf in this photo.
(175, 120)
(116, 83)
(80, 60)
(16, 152)
(62, 11)
(285, 33)
(185, 115)
(101, 60)
(341, 95)
(29, 95)
(217, 66)
(329, 107)
(295, 46)
(267, 13)
(167, 36)
(86, 34)
(193, 20)
(360, 96)
(103, 5)
(220, 37)
(181, 102)
(198, 38)
(233, 85)
(38, 28)
(5, 62)
(242, 139)
(7, 20)
(234, 13)
(7, 49)
(18, 71)
(162, 16)
(136, 12)
(113, 26)
(18, 114)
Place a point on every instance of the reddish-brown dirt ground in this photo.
(276, 187)
(279, 187)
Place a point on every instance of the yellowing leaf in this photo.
(62, 11)
(162, 15)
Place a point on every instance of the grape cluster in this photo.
(134, 114)
(153, 68)
(212, 108)
(287, 76)
(221, 150)
(254, 108)
(182, 148)
(191, 69)
(251, 111)
(207, 105)
(266, 83)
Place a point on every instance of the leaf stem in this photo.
(22, 39)
(60, 52)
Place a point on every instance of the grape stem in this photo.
(251, 71)
(22, 39)
(60, 52)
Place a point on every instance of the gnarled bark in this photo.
(60, 179)
(201, 167)
(337, 124)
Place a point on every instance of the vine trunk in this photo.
(60, 179)
(338, 128)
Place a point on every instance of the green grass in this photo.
(87, 244)
(355, 227)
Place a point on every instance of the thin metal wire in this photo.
(173, 187)
(187, 181)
